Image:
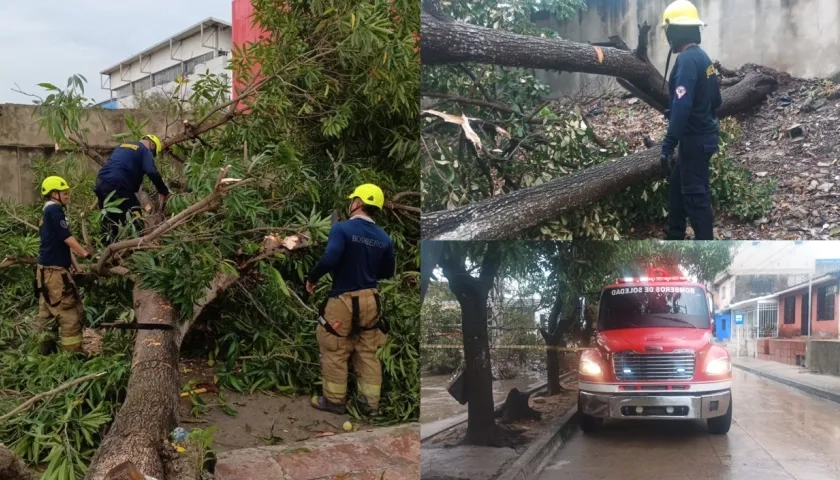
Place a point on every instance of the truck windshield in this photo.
(648, 306)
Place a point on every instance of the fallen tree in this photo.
(241, 227)
(445, 41)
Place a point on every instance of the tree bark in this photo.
(11, 468)
(447, 42)
(503, 216)
(472, 295)
(552, 338)
(150, 410)
(517, 407)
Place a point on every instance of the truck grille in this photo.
(631, 366)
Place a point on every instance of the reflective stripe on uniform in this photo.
(335, 388)
(369, 390)
(74, 340)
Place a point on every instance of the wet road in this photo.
(777, 433)
(437, 404)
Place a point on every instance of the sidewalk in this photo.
(825, 386)
(391, 453)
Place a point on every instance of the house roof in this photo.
(189, 32)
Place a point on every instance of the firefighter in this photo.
(122, 175)
(358, 254)
(692, 124)
(59, 303)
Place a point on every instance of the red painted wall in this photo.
(243, 32)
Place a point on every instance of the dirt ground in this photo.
(526, 431)
(806, 203)
(256, 420)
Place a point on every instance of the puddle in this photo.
(437, 404)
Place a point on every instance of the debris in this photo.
(825, 187)
(813, 185)
(796, 131)
(596, 111)
(347, 426)
(784, 100)
(761, 174)
(633, 101)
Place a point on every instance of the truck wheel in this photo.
(588, 423)
(720, 425)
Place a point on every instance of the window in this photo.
(723, 292)
(825, 302)
(761, 286)
(790, 310)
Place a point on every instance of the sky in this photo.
(50, 40)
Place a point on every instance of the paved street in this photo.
(777, 433)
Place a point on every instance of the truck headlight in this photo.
(718, 367)
(589, 368)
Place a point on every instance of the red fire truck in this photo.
(654, 357)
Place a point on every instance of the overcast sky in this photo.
(50, 40)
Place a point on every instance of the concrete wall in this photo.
(824, 357)
(801, 37)
(21, 142)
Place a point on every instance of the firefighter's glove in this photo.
(666, 163)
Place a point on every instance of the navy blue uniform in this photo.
(123, 174)
(54, 231)
(693, 125)
(359, 254)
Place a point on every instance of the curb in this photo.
(535, 458)
(452, 422)
(799, 386)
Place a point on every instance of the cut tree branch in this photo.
(446, 42)
(64, 386)
(503, 216)
(10, 261)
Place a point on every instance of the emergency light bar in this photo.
(651, 279)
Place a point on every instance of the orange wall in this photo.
(818, 327)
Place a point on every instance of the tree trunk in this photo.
(446, 42)
(472, 294)
(503, 216)
(150, 410)
(481, 423)
(429, 255)
(552, 339)
(11, 468)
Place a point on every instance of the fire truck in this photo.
(654, 357)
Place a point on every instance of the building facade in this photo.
(760, 269)
(203, 47)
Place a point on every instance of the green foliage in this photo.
(62, 113)
(541, 145)
(63, 431)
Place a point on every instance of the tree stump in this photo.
(516, 407)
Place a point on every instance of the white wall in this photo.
(216, 66)
(801, 37)
(162, 59)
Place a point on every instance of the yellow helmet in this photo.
(156, 141)
(53, 183)
(369, 194)
(681, 12)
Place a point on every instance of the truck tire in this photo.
(589, 424)
(720, 425)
